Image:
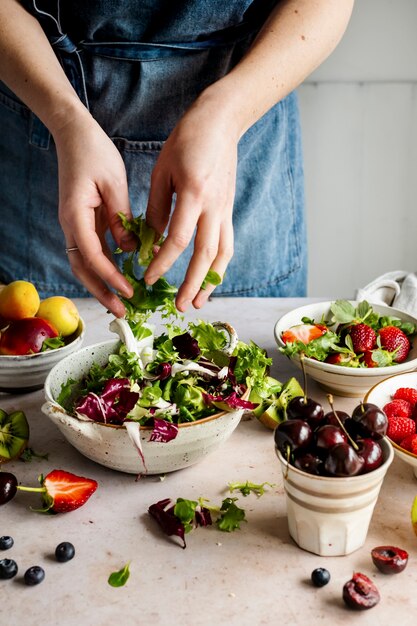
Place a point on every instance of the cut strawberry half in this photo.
(65, 491)
(303, 332)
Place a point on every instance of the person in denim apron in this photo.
(138, 67)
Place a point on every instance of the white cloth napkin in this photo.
(397, 289)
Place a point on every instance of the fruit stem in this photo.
(35, 489)
(302, 357)
(353, 443)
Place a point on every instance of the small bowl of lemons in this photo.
(34, 335)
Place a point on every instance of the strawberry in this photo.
(395, 340)
(406, 393)
(65, 492)
(410, 443)
(363, 337)
(400, 427)
(398, 408)
(340, 358)
(303, 332)
(368, 360)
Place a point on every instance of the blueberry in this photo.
(320, 577)
(6, 542)
(34, 575)
(8, 569)
(64, 552)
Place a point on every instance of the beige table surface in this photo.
(250, 577)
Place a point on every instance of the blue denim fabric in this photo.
(137, 91)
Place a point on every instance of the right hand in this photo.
(92, 191)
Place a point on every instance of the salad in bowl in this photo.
(149, 401)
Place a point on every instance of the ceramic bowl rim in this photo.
(5, 358)
(109, 342)
(394, 445)
(340, 369)
(343, 479)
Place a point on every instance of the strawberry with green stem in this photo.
(61, 491)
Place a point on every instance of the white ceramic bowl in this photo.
(111, 445)
(330, 516)
(20, 374)
(381, 394)
(337, 379)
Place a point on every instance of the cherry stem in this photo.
(302, 357)
(34, 489)
(353, 443)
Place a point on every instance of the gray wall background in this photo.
(359, 117)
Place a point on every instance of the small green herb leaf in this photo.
(120, 578)
(230, 516)
(211, 278)
(247, 488)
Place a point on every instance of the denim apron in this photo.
(137, 90)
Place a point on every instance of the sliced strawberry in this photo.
(394, 339)
(410, 443)
(406, 393)
(363, 337)
(368, 360)
(65, 491)
(400, 427)
(398, 408)
(303, 332)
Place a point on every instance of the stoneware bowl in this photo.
(111, 445)
(337, 379)
(330, 516)
(20, 374)
(381, 394)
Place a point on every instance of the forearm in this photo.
(29, 67)
(296, 38)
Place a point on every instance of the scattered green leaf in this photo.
(120, 578)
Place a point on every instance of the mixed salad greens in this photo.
(161, 380)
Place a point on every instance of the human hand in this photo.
(92, 191)
(198, 162)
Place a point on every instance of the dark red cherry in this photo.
(309, 462)
(330, 418)
(371, 418)
(371, 452)
(8, 487)
(360, 593)
(342, 460)
(328, 436)
(292, 435)
(389, 559)
(307, 409)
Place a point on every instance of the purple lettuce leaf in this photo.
(163, 431)
(203, 517)
(166, 519)
(112, 405)
(186, 346)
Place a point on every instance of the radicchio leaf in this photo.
(186, 346)
(112, 405)
(163, 431)
(203, 516)
(165, 517)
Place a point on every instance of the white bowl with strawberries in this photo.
(348, 346)
(397, 396)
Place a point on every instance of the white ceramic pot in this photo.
(330, 516)
(337, 379)
(111, 445)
